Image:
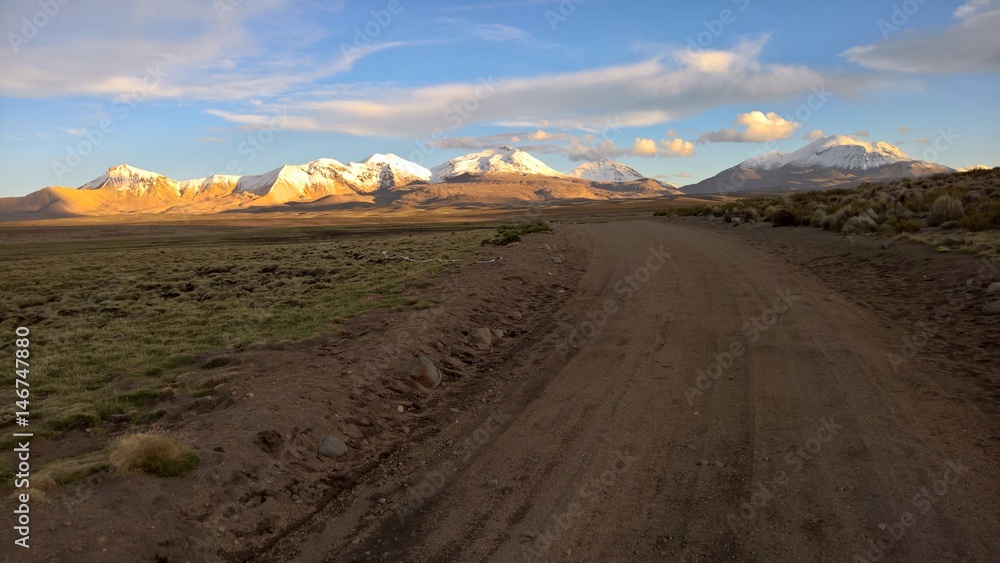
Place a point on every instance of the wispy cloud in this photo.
(972, 45)
(211, 140)
(645, 93)
(814, 134)
(499, 32)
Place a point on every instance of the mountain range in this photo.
(501, 176)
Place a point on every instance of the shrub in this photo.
(897, 225)
(817, 219)
(945, 208)
(509, 234)
(155, 454)
(784, 218)
(858, 225)
(981, 217)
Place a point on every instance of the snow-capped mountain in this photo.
(503, 160)
(385, 171)
(131, 179)
(835, 151)
(833, 162)
(606, 170)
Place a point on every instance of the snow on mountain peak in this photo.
(835, 151)
(501, 160)
(606, 170)
(126, 177)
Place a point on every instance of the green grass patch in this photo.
(113, 321)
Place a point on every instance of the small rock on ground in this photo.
(994, 288)
(992, 308)
(425, 373)
(483, 336)
(332, 447)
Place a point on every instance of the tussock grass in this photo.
(152, 453)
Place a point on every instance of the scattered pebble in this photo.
(332, 447)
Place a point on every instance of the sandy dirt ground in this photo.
(663, 390)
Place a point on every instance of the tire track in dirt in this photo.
(603, 457)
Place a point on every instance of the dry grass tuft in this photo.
(152, 453)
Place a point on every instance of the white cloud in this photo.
(646, 93)
(757, 127)
(499, 32)
(971, 45)
(814, 134)
(862, 134)
(673, 148)
(213, 57)
(210, 140)
(970, 8)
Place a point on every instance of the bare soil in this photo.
(664, 390)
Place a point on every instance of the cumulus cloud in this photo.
(971, 45)
(673, 148)
(862, 134)
(814, 134)
(580, 151)
(757, 127)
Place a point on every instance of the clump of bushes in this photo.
(511, 233)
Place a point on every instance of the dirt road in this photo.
(698, 400)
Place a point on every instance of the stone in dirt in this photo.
(332, 447)
(425, 373)
(993, 288)
(483, 336)
(498, 333)
(992, 308)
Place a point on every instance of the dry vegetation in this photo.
(114, 321)
(152, 453)
(959, 211)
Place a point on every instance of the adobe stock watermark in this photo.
(257, 142)
(455, 115)
(562, 13)
(365, 35)
(899, 17)
(624, 288)
(32, 25)
(956, 299)
(923, 501)
(435, 480)
(591, 491)
(815, 101)
(766, 491)
(751, 332)
(121, 109)
(713, 30)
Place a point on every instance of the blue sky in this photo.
(678, 90)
